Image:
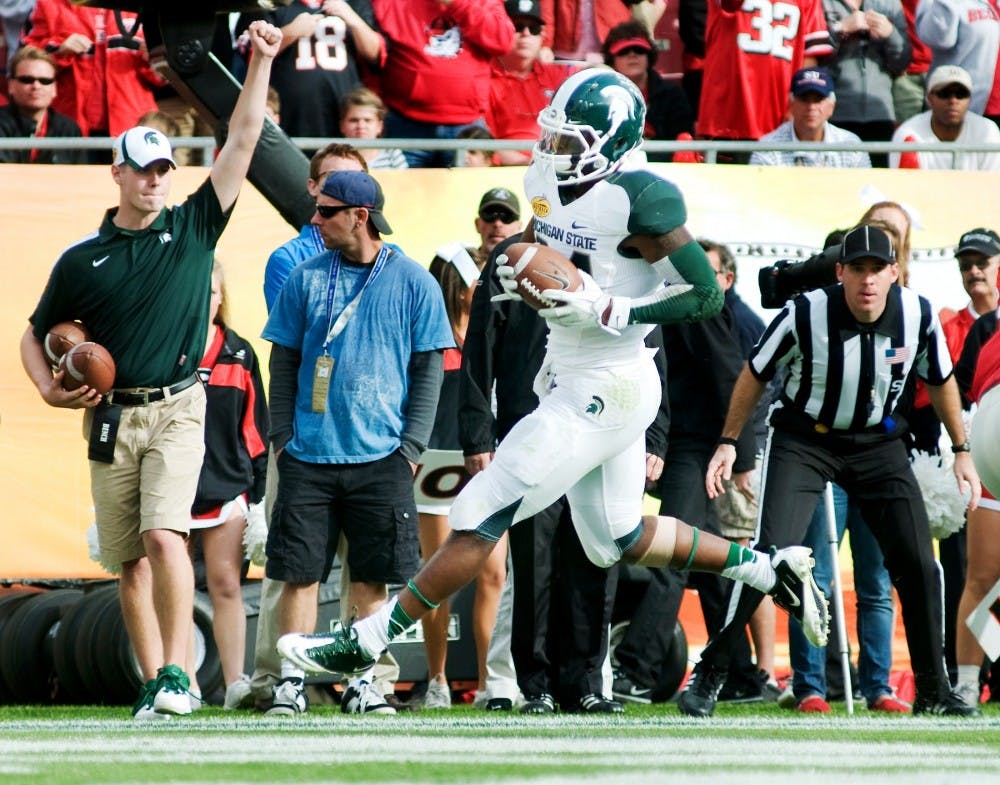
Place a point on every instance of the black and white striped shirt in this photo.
(845, 375)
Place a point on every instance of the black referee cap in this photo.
(867, 242)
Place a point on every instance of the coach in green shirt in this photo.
(141, 284)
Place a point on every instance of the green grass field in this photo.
(741, 745)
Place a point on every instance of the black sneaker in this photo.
(624, 689)
(499, 704)
(592, 703)
(702, 691)
(741, 690)
(951, 705)
(539, 704)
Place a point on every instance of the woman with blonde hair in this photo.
(896, 216)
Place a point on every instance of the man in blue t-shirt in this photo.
(358, 335)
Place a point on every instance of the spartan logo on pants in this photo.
(595, 407)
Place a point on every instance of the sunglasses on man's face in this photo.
(42, 80)
(967, 264)
(499, 214)
(953, 92)
(329, 210)
(532, 28)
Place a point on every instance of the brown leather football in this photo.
(537, 268)
(88, 363)
(61, 338)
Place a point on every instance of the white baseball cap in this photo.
(140, 146)
(948, 74)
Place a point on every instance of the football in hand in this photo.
(88, 363)
(537, 268)
(63, 337)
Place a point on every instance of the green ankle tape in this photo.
(694, 546)
(416, 593)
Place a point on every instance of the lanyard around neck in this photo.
(336, 327)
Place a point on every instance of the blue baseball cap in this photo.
(812, 80)
(358, 189)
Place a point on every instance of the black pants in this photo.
(682, 493)
(562, 608)
(877, 476)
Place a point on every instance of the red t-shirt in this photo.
(751, 53)
(987, 375)
(437, 62)
(515, 101)
(955, 327)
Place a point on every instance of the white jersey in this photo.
(589, 231)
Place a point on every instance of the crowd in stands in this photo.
(913, 71)
(459, 69)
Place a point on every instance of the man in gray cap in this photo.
(499, 217)
(356, 367)
(949, 119)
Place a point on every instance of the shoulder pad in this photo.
(657, 204)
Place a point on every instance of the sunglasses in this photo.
(42, 80)
(498, 214)
(329, 210)
(967, 264)
(631, 50)
(533, 28)
(953, 92)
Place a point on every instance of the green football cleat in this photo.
(336, 652)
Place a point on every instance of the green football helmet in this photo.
(594, 120)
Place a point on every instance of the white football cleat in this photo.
(796, 591)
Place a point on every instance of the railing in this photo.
(710, 148)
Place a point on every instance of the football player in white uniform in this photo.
(624, 228)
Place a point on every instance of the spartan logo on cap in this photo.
(151, 137)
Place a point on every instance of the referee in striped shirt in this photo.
(849, 349)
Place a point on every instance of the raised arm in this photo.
(230, 168)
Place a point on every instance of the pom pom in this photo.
(945, 505)
(255, 534)
(94, 550)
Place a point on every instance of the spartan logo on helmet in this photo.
(595, 119)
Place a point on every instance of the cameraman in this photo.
(849, 349)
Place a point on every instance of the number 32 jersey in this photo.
(751, 53)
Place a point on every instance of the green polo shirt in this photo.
(144, 295)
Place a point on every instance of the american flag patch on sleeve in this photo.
(898, 354)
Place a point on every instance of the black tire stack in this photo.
(69, 645)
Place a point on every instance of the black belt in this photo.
(143, 396)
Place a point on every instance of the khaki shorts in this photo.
(737, 516)
(154, 477)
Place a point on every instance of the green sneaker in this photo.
(336, 652)
(172, 695)
(142, 710)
